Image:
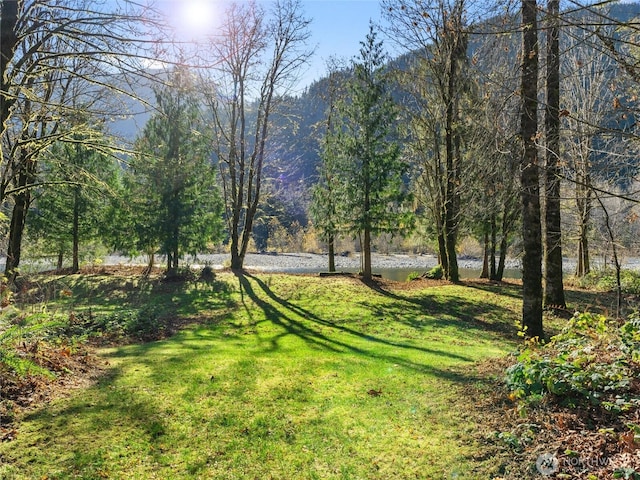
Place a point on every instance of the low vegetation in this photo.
(577, 398)
(259, 375)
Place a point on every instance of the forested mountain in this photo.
(457, 126)
(300, 121)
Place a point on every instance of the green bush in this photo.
(145, 323)
(592, 360)
(413, 276)
(605, 279)
(436, 273)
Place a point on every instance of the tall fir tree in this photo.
(372, 191)
(176, 204)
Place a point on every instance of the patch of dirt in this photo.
(582, 443)
(118, 270)
(392, 285)
(71, 367)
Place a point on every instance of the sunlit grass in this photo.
(293, 377)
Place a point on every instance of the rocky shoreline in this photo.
(313, 262)
(291, 262)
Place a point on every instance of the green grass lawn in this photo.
(283, 377)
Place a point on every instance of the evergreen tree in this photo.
(372, 191)
(72, 206)
(174, 198)
(324, 193)
(324, 198)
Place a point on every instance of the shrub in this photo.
(606, 280)
(413, 276)
(436, 273)
(592, 360)
(19, 335)
(144, 324)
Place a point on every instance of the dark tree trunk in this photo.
(151, 263)
(452, 201)
(366, 206)
(366, 252)
(332, 254)
(24, 180)
(237, 261)
(502, 260)
(442, 252)
(529, 177)
(504, 236)
(16, 231)
(8, 41)
(553, 285)
(76, 231)
(485, 256)
(583, 203)
(492, 253)
(583, 267)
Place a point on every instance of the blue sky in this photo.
(338, 26)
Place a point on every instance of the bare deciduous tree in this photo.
(437, 32)
(58, 57)
(258, 56)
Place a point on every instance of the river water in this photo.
(393, 267)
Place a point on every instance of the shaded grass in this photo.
(292, 377)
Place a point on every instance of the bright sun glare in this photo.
(197, 16)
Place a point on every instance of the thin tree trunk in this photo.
(366, 252)
(614, 251)
(16, 230)
(492, 252)
(583, 203)
(485, 256)
(75, 231)
(553, 285)
(529, 177)
(442, 251)
(151, 263)
(501, 261)
(504, 237)
(452, 259)
(332, 254)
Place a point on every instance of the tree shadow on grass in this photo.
(298, 321)
(471, 313)
(139, 410)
